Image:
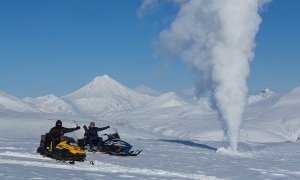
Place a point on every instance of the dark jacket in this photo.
(57, 132)
(92, 132)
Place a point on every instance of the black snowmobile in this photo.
(113, 145)
(66, 150)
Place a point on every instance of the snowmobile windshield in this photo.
(113, 134)
(72, 137)
(116, 135)
(68, 139)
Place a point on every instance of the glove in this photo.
(77, 127)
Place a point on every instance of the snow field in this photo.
(160, 159)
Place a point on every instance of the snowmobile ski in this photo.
(131, 153)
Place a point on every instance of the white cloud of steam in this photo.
(216, 38)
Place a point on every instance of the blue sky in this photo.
(60, 45)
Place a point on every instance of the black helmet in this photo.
(92, 124)
(58, 123)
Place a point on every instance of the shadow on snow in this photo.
(190, 143)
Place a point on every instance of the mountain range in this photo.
(101, 96)
(271, 116)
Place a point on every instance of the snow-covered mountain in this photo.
(264, 94)
(51, 104)
(12, 103)
(104, 95)
(275, 118)
(143, 89)
(267, 119)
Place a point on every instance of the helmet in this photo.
(92, 124)
(58, 123)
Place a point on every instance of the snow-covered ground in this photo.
(180, 137)
(161, 159)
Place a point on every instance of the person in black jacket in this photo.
(92, 135)
(58, 131)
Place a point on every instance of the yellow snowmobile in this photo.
(66, 150)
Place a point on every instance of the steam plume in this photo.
(216, 38)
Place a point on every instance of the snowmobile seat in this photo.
(45, 144)
(85, 138)
(81, 142)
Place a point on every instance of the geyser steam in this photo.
(216, 38)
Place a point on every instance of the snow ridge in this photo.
(51, 104)
(143, 89)
(13, 103)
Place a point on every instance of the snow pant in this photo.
(95, 142)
